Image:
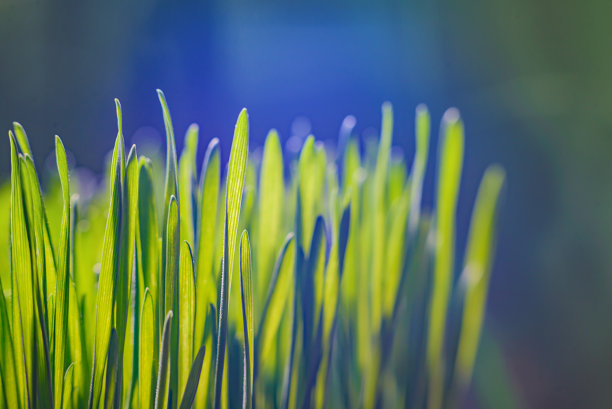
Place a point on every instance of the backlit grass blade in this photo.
(271, 194)
(23, 308)
(477, 270)
(186, 317)
(61, 294)
(68, 380)
(8, 370)
(171, 283)
(235, 182)
(112, 363)
(419, 165)
(186, 183)
(450, 161)
(161, 394)
(108, 276)
(246, 292)
(311, 170)
(191, 386)
(206, 287)
(378, 215)
(146, 349)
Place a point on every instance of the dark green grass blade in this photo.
(162, 392)
(186, 317)
(192, 381)
(112, 364)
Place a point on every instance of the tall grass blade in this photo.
(186, 317)
(162, 392)
(246, 292)
(191, 386)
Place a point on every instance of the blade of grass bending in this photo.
(207, 223)
(23, 312)
(191, 386)
(278, 294)
(161, 394)
(112, 364)
(271, 194)
(108, 275)
(170, 185)
(450, 161)
(246, 293)
(475, 276)
(417, 174)
(146, 350)
(186, 183)
(68, 387)
(186, 317)
(61, 294)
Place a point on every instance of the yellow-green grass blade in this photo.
(111, 371)
(378, 216)
(475, 277)
(191, 386)
(170, 185)
(186, 183)
(62, 293)
(36, 220)
(8, 370)
(186, 317)
(22, 269)
(146, 350)
(311, 170)
(313, 283)
(276, 302)
(68, 381)
(246, 292)
(171, 283)
(417, 174)
(271, 199)
(161, 394)
(147, 251)
(108, 275)
(206, 284)
(222, 323)
(235, 183)
(450, 161)
(22, 139)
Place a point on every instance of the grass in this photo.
(330, 288)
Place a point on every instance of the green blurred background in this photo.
(531, 79)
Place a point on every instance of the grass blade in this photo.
(449, 174)
(186, 317)
(191, 386)
(246, 292)
(61, 294)
(146, 349)
(162, 393)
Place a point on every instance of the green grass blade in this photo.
(146, 349)
(61, 294)
(186, 317)
(108, 275)
(161, 394)
(311, 168)
(450, 161)
(422, 129)
(235, 183)
(8, 370)
(206, 287)
(246, 292)
(477, 270)
(112, 364)
(68, 387)
(222, 323)
(271, 194)
(23, 310)
(191, 386)
(186, 183)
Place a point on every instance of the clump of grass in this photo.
(337, 293)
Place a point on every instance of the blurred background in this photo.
(531, 79)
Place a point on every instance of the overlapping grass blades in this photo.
(345, 277)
